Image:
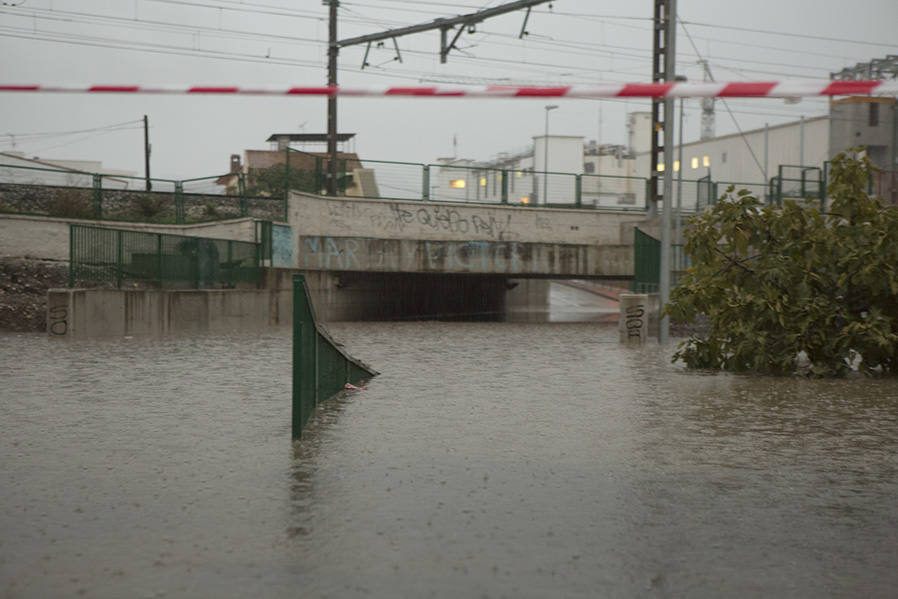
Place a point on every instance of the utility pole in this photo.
(332, 51)
(462, 22)
(670, 26)
(146, 151)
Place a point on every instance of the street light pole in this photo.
(546, 156)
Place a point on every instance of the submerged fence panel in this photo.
(102, 256)
(647, 262)
(321, 369)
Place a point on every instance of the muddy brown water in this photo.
(487, 460)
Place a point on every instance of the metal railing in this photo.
(261, 193)
(94, 196)
(106, 257)
(470, 183)
(321, 368)
(647, 263)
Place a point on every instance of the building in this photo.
(359, 181)
(15, 167)
(610, 175)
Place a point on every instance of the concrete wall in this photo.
(47, 238)
(86, 313)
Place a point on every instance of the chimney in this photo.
(235, 163)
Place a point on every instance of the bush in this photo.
(776, 282)
(71, 203)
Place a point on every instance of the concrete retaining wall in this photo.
(148, 313)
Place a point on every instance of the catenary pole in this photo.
(670, 69)
(333, 50)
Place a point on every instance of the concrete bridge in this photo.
(389, 258)
(384, 259)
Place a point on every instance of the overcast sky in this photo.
(284, 42)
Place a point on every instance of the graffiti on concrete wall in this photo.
(402, 218)
(281, 246)
(369, 254)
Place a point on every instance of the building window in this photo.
(457, 184)
(676, 166)
(660, 167)
(589, 167)
(723, 158)
(482, 181)
(706, 161)
(874, 114)
(695, 162)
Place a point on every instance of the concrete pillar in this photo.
(634, 318)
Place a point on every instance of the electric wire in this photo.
(726, 105)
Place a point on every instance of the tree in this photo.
(777, 281)
(269, 182)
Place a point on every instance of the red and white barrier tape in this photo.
(752, 89)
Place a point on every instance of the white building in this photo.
(15, 167)
(564, 169)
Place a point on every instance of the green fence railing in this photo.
(647, 263)
(94, 196)
(101, 257)
(321, 368)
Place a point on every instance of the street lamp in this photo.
(546, 157)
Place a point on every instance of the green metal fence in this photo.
(101, 256)
(261, 193)
(647, 263)
(73, 194)
(321, 368)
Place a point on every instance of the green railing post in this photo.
(98, 196)
(179, 202)
(230, 280)
(504, 175)
(425, 182)
(648, 193)
(578, 191)
(244, 201)
(118, 259)
(159, 258)
(71, 255)
(318, 164)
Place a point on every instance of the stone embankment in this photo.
(23, 292)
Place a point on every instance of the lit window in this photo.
(676, 165)
(525, 200)
(706, 161)
(660, 167)
(482, 181)
(695, 162)
(457, 183)
(517, 174)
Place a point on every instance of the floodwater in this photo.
(487, 460)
